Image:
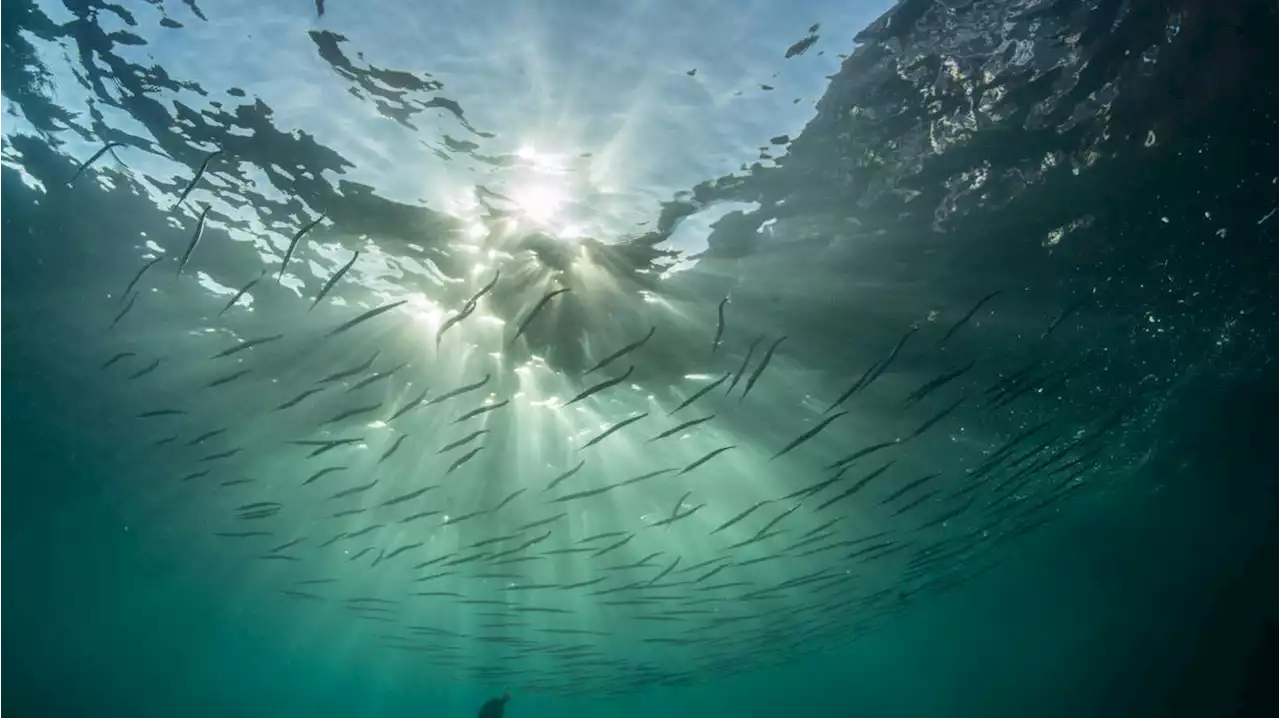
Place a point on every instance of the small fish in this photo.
(623, 351)
(406, 497)
(419, 515)
(247, 345)
(808, 434)
(715, 343)
(346, 513)
(486, 288)
(965, 319)
(294, 242)
(687, 425)
(601, 386)
(195, 239)
(709, 456)
(399, 550)
(334, 540)
(161, 412)
(453, 321)
(333, 281)
(465, 517)
(932, 385)
(194, 180)
(221, 455)
(411, 404)
(858, 486)
(228, 378)
(670, 567)
(354, 490)
(166, 440)
(286, 545)
(123, 312)
(746, 361)
(764, 364)
(96, 155)
(236, 482)
(364, 317)
(116, 358)
(138, 276)
(542, 522)
(614, 546)
(377, 376)
(1063, 317)
(392, 449)
(676, 509)
(853, 388)
(700, 393)
(196, 475)
(356, 411)
(741, 516)
(463, 459)
(908, 487)
(298, 399)
(338, 376)
(864, 451)
(459, 391)
(935, 419)
(464, 440)
(677, 517)
(884, 365)
(566, 475)
(243, 291)
(482, 410)
(510, 497)
(536, 308)
(241, 534)
(322, 472)
(616, 427)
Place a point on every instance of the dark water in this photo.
(1107, 168)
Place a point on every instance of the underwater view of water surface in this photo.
(629, 359)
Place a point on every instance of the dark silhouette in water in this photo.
(494, 707)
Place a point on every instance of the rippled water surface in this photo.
(603, 352)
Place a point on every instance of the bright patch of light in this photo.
(539, 202)
(377, 424)
(570, 231)
(477, 231)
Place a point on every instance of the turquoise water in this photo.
(726, 362)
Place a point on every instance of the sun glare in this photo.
(539, 202)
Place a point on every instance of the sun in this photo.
(539, 202)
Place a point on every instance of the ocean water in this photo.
(374, 359)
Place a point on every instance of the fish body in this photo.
(459, 391)
(243, 291)
(715, 342)
(534, 312)
(195, 239)
(616, 427)
(623, 351)
(686, 425)
(195, 180)
(746, 361)
(333, 281)
(700, 393)
(294, 242)
(366, 316)
(764, 364)
(137, 277)
(96, 155)
(601, 386)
